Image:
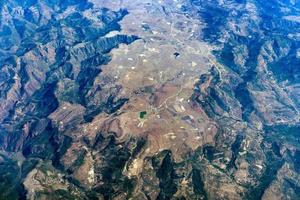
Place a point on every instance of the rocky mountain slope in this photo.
(170, 99)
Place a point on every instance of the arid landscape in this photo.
(150, 99)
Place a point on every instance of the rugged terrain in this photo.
(150, 99)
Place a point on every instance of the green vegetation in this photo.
(143, 114)
(59, 194)
(10, 185)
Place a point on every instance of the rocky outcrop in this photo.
(50, 57)
(249, 88)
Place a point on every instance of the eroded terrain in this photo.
(170, 99)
